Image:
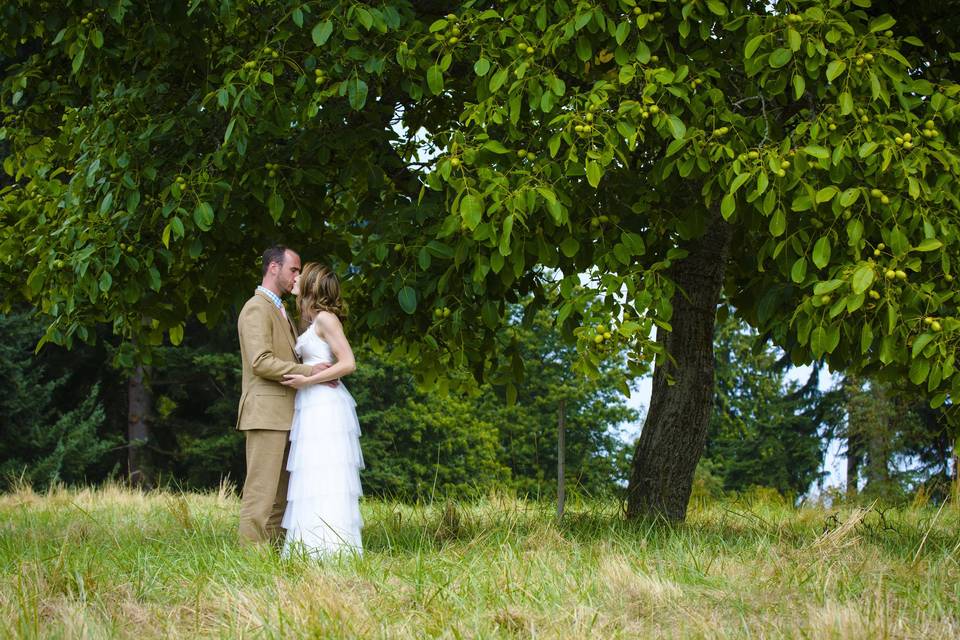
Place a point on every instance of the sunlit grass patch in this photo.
(114, 562)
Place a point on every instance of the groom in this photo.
(267, 338)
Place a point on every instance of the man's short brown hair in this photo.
(277, 253)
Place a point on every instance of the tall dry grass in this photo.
(113, 563)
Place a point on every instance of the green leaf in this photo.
(867, 148)
(594, 173)
(97, 38)
(862, 278)
(778, 223)
(826, 194)
(821, 252)
(834, 69)
(497, 80)
(930, 244)
(728, 205)
(866, 338)
(882, 23)
(817, 151)
(489, 314)
(846, 103)
(919, 343)
(356, 93)
(569, 247)
(919, 370)
(827, 286)
(849, 196)
(623, 31)
(799, 86)
(407, 298)
(481, 67)
(794, 39)
(275, 206)
(106, 280)
(752, 46)
(176, 334)
(495, 146)
(106, 204)
(717, 7)
(322, 32)
(584, 50)
(435, 79)
(780, 57)
(738, 181)
(203, 216)
(677, 128)
(798, 272)
(471, 210)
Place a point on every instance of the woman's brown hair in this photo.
(319, 291)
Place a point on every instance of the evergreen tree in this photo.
(50, 418)
(765, 430)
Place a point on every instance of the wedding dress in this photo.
(323, 510)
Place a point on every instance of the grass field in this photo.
(112, 562)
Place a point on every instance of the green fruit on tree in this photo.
(936, 326)
(890, 274)
(598, 339)
(901, 274)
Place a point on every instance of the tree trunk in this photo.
(854, 391)
(675, 432)
(140, 404)
(853, 464)
(877, 445)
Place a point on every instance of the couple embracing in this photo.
(302, 435)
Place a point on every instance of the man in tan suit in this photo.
(267, 338)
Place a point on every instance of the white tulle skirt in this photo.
(323, 510)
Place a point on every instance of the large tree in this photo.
(791, 152)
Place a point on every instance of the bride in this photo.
(323, 512)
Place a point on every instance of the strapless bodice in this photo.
(313, 349)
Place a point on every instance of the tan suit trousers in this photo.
(265, 489)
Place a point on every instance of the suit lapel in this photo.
(291, 332)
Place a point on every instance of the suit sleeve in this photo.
(256, 334)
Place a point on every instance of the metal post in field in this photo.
(561, 446)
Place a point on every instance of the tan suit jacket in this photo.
(266, 349)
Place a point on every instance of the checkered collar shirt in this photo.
(275, 299)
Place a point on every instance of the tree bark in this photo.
(140, 405)
(853, 464)
(675, 432)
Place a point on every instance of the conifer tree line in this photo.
(65, 423)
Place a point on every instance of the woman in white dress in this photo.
(323, 510)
